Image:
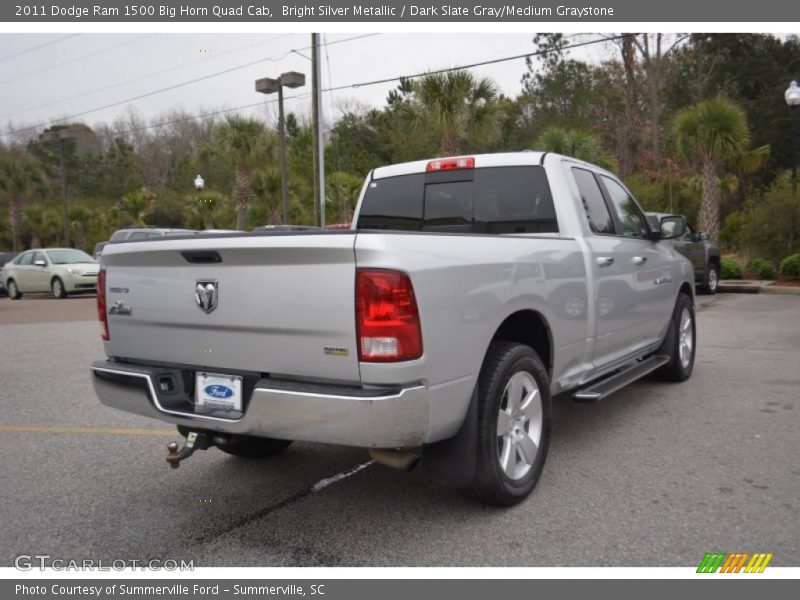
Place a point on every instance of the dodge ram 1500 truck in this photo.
(469, 292)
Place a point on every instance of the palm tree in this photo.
(713, 132)
(20, 178)
(266, 184)
(455, 106)
(205, 210)
(342, 196)
(43, 224)
(134, 206)
(575, 143)
(244, 140)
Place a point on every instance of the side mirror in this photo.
(672, 227)
(703, 236)
(40, 263)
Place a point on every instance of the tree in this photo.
(42, 225)
(575, 143)
(712, 132)
(459, 108)
(341, 196)
(134, 206)
(20, 179)
(245, 141)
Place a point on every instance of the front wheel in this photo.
(513, 424)
(57, 286)
(13, 290)
(680, 342)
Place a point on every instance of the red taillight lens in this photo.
(451, 164)
(387, 318)
(102, 313)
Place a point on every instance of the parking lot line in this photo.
(94, 430)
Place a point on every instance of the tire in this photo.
(711, 279)
(504, 473)
(13, 290)
(249, 447)
(57, 287)
(680, 343)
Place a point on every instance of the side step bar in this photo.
(600, 389)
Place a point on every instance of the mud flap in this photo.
(453, 461)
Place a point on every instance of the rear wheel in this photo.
(711, 279)
(13, 290)
(57, 286)
(513, 425)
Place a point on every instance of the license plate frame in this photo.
(218, 391)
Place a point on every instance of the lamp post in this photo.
(59, 135)
(292, 79)
(792, 97)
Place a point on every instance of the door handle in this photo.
(639, 260)
(605, 261)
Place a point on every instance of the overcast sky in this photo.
(44, 77)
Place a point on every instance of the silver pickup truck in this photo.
(468, 293)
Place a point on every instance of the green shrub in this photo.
(731, 269)
(790, 265)
(761, 269)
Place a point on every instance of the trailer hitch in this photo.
(194, 441)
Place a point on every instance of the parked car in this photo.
(701, 252)
(472, 290)
(288, 227)
(61, 271)
(129, 234)
(5, 257)
(98, 250)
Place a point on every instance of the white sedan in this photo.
(61, 271)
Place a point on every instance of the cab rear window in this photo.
(484, 200)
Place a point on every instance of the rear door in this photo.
(281, 304)
(693, 250)
(23, 269)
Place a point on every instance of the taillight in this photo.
(451, 164)
(387, 318)
(102, 313)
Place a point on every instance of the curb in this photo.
(755, 287)
(783, 290)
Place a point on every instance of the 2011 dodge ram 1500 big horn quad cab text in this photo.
(469, 292)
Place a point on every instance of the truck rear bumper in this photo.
(368, 417)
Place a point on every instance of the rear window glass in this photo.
(487, 200)
(119, 235)
(593, 202)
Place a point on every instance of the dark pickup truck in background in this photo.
(703, 254)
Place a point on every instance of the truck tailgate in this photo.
(285, 304)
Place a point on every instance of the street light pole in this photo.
(292, 79)
(284, 173)
(792, 96)
(63, 190)
(59, 136)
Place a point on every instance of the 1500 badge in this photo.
(663, 279)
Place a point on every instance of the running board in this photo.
(611, 384)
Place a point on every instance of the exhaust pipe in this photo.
(397, 459)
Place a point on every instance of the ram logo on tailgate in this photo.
(207, 295)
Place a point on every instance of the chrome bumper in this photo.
(391, 418)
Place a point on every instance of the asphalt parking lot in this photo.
(657, 475)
